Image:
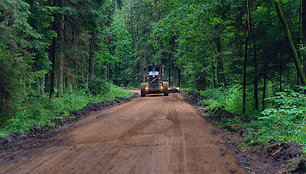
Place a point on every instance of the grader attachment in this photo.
(156, 82)
(174, 89)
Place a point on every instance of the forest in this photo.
(245, 56)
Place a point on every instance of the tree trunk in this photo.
(159, 18)
(105, 72)
(73, 56)
(299, 42)
(169, 75)
(304, 31)
(265, 78)
(255, 78)
(52, 55)
(291, 45)
(110, 72)
(92, 44)
(68, 57)
(244, 72)
(173, 75)
(179, 80)
(140, 71)
(61, 55)
(280, 69)
(56, 82)
(40, 85)
(213, 71)
(116, 74)
(68, 85)
(245, 60)
(220, 69)
(144, 62)
(255, 62)
(264, 87)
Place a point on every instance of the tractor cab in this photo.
(155, 76)
(156, 81)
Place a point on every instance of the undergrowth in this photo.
(282, 121)
(230, 98)
(40, 111)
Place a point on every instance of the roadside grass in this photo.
(40, 111)
(283, 120)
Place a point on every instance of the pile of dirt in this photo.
(276, 158)
(285, 151)
(39, 135)
(290, 154)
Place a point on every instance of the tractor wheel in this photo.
(143, 89)
(166, 91)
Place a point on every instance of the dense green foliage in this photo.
(47, 58)
(283, 121)
(40, 111)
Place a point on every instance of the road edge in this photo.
(249, 159)
(38, 136)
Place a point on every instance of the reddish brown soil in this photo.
(154, 134)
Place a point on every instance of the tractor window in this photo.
(153, 73)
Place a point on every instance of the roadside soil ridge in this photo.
(36, 136)
(278, 157)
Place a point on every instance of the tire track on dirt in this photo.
(178, 145)
(150, 135)
(122, 142)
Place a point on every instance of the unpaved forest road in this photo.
(154, 134)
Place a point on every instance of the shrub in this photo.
(283, 120)
(97, 85)
(40, 111)
(230, 98)
(286, 120)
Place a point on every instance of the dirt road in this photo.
(155, 134)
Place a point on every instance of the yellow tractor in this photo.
(156, 81)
